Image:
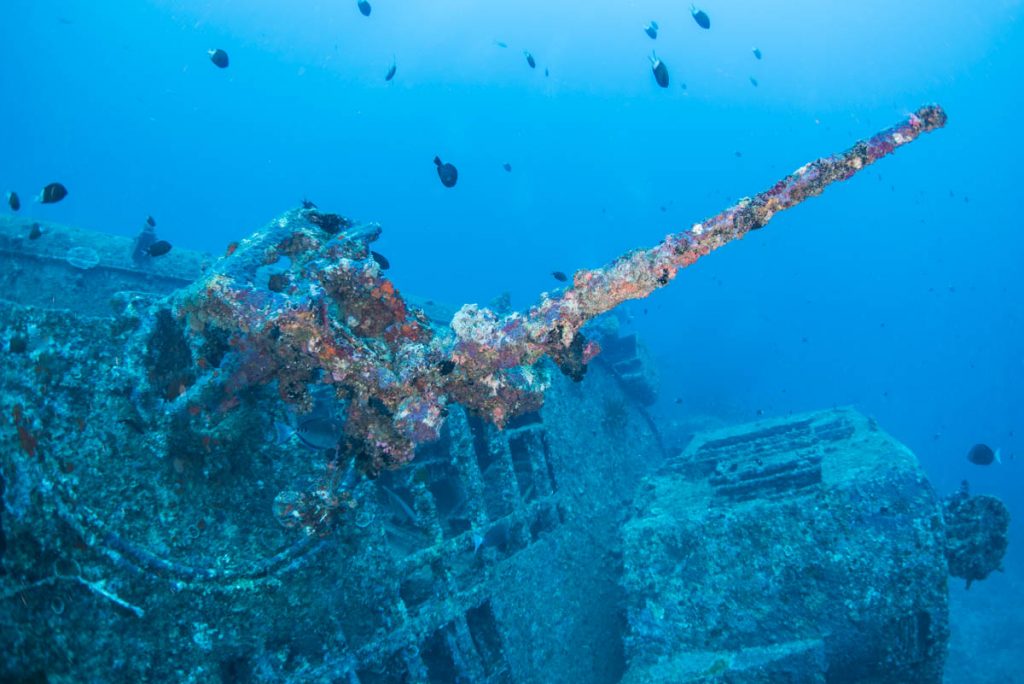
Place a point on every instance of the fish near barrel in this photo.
(701, 17)
(983, 455)
(53, 193)
(219, 58)
(659, 70)
(448, 174)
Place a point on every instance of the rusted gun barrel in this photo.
(305, 303)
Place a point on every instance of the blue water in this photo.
(898, 292)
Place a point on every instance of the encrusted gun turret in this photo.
(303, 303)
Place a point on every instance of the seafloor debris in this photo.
(303, 303)
(976, 534)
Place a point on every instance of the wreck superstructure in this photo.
(486, 516)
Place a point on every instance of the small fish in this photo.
(530, 60)
(701, 17)
(35, 232)
(757, 53)
(364, 7)
(381, 260)
(753, 81)
(982, 454)
(318, 430)
(135, 424)
(143, 241)
(278, 282)
(316, 433)
(559, 276)
(448, 174)
(401, 504)
(546, 72)
(151, 222)
(54, 192)
(391, 70)
(307, 204)
(496, 537)
(446, 367)
(507, 167)
(660, 71)
(219, 58)
(158, 248)
(13, 201)
(501, 43)
(651, 29)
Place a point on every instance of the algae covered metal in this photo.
(481, 512)
(807, 549)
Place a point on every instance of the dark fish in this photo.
(507, 167)
(364, 7)
(446, 367)
(753, 81)
(13, 201)
(501, 43)
(316, 432)
(35, 232)
(559, 276)
(401, 505)
(660, 71)
(143, 241)
(219, 58)
(151, 222)
(278, 282)
(135, 424)
(159, 248)
(530, 60)
(652, 29)
(391, 71)
(496, 537)
(546, 72)
(381, 260)
(982, 454)
(448, 174)
(757, 53)
(54, 192)
(307, 204)
(701, 17)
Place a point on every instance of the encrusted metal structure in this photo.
(804, 549)
(476, 518)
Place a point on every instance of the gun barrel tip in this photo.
(931, 116)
